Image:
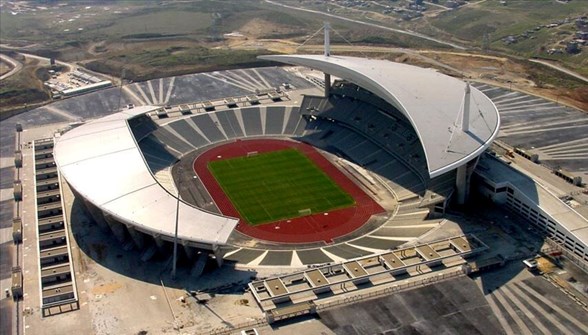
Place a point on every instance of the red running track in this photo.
(311, 228)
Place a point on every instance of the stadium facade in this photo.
(433, 126)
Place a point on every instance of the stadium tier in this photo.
(104, 165)
(453, 127)
(392, 129)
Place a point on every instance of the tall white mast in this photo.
(327, 39)
(327, 54)
(465, 118)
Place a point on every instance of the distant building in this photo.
(451, 4)
(583, 35)
(582, 23)
(510, 39)
(573, 47)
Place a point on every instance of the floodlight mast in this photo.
(122, 82)
(175, 257)
(327, 51)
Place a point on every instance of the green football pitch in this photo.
(277, 185)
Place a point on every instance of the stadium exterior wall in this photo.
(142, 240)
(543, 210)
(103, 164)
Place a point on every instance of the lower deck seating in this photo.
(189, 133)
(156, 154)
(252, 121)
(274, 120)
(141, 126)
(364, 134)
(378, 141)
(333, 137)
(163, 145)
(388, 128)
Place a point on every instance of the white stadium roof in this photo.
(431, 101)
(103, 163)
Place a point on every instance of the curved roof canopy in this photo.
(103, 163)
(431, 101)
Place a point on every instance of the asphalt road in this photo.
(560, 69)
(45, 59)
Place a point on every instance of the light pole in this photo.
(122, 82)
(175, 257)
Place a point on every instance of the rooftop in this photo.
(499, 172)
(431, 101)
(102, 162)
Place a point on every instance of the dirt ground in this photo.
(4, 68)
(252, 35)
(494, 70)
(502, 71)
(257, 28)
(22, 88)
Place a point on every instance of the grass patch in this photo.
(156, 63)
(23, 88)
(277, 185)
(490, 17)
(169, 22)
(544, 76)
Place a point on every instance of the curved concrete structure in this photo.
(102, 162)
(431, 101)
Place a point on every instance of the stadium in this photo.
(269, 180)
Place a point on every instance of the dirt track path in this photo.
(16, 66)
(560, 69)
(400, 31)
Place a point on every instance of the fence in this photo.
(258, 322)
(554, 246)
